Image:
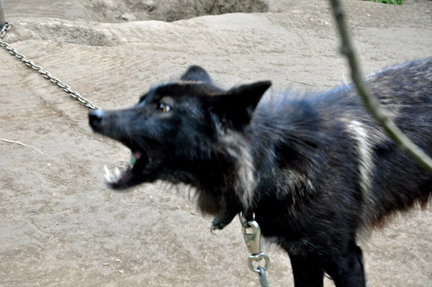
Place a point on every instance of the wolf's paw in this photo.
(220, 223)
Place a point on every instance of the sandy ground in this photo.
(59, 224)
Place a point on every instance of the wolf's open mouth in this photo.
(119, 177)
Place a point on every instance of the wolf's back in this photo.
(327, 143)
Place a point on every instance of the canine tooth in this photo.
(117, 173)
(110, 178)
(107, 178)
(107, 172)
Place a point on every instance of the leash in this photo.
(253, 245)
(47, 75)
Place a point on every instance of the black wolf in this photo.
(315, 168)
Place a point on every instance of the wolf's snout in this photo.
(95, 118)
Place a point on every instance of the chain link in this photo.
(47, 75)
(262, 277)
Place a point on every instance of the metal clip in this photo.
(253, 243)
(258, 257)
(252, 240)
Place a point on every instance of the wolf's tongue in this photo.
(134, 157)
(137, 154)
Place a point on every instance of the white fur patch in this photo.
(236, 146)
(364, 149)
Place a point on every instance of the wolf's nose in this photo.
(95, 118)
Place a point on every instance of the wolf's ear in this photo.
(235, 107)
(196, 74)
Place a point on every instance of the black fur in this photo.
(315, 168)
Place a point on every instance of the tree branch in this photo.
(371, 103)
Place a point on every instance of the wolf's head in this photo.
(173, 130)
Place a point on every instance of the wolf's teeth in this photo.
(113, 177)
(117, 173)
(107, 172)
(107, 178)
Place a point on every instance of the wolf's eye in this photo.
(164, 108)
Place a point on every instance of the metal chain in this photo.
(40, 70)
(262, 277)
(253, 244)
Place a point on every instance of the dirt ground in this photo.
(60, 225)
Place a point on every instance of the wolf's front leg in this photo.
(348, 270)
(306, 271)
